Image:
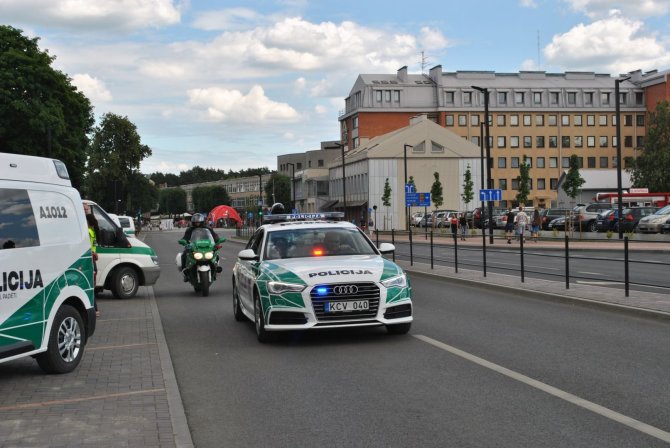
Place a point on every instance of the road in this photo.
(464, 376)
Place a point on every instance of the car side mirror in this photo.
(386, 248)
(183, 242)
(247, 255)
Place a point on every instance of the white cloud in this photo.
(529, 65)
(320, 109)
(94, 15)
(635, 8)
(94, 89)
(166, 70)
(528, 3)
(432, 39)
(612, 45)
(227, 19)
(299, 85)
(289, 135)
(233, 106)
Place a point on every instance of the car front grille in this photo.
(321, 294)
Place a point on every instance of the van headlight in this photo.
(280, 287)
(209, 255)
(197, 255)
(399, 281)
(154, 258)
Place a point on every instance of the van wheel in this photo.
(125, 283)
(66, 342)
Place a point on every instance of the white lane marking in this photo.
(586, 282)
(591, 273)
(588, 405)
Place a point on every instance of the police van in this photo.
(124, 262)
(46, 269)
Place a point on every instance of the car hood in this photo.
(337, 269)
(654, 218)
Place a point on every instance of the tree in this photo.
(524, 182)
(652, 166)
(172, 201)
(115, 154)
(142, 195)
(278, 189)
(436, 193)
(41, 112)
(468, 187)
(572, 184)
(206, 198)
(386, 199)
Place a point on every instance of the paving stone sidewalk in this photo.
(123, 394)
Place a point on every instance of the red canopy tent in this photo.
(223, 212)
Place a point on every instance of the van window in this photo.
(17, 220)
(106, 227)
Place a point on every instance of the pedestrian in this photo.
(93, 238)
(535, 225)
(522, 222)
(463, 223)
(454, 225)
(509, 225)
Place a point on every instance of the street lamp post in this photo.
(260, 192)
(405, 160)
(618, 155)
(489, 181)
(344, 184)
(292, 183)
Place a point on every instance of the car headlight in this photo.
(399, 281)
(209, 255)
(198, 255)
(280, 287)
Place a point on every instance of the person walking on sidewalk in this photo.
(522, 222)
(535, 225)
(463, 224)
(509, 225)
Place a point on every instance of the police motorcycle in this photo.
(201, 263)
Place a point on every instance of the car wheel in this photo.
(592, 227)
(237, 306)
(66, 342)
(259, 321)
(399, 328)
(125, 283)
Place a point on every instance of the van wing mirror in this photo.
(386, 248)
(182, 242)
(247, 255)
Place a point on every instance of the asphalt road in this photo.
(360, 388)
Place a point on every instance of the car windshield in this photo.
(664, 211)
(299, 243)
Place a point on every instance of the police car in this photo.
(309, 271)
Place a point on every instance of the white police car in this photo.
(306, 272)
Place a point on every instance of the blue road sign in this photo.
(409, 188)
(417, 199)
(490, 195)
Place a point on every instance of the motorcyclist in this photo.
(198, 220)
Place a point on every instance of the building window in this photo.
(475, 140)
(579, 141)
(502, 97)
(527, 141)
(467, 97)
(540, 162)
(449, 97)
(519, 97)
(591, 162)
(539, 141)
(354, 142)
(502, 184)
(552, 120)
(514, 120)
(387, 96)
(539, 120)
(572, 98)
(436, 147)
(588, 98)
(553, 183)
(541, 184)
(602, 120)
(639, 98)
(514, 141)
(501, 120)
(514, 163)
(565, 141)
(640, 120)
(565, 120)
(640, 141)
(354, 122)
(603, 141)
(419, 147)
(553, 162)
(449, 120)
(502, 162)
(565, 162)
(527, 120)
(628, 120)
(528, 161)
(590, 120)
(577, 120)
(515, 184)
(309, 164)
(591, 141)
(604, 98)
(614, 142)
(603, 162)
(474, 120)
(622, 98)
(628, 141)
(462, 120)
(553, 98)
(378, 96)
(501, 142)
(298, 166)
(553, 141)
(396, 96)
(537, 97)
(320, 163)
(614, 162)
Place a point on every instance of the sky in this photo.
(232, 84)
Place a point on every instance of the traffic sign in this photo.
(409, 188)
(417, 199)
(490, 195)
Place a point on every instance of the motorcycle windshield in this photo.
(201, 234)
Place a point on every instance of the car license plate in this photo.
(346, 307)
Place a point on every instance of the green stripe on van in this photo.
(126, 250)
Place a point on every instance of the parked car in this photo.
(586, 215)
(426, 220)
(416, 218)
(606, 221)
(665, 228)
(549, 214)
(632, 217)
(443, 218)
(559, 223)
(654, 223)
(480, 216)
(500, 220)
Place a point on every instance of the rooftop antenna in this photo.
(539, 65)
(423, 62)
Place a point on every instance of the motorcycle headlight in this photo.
(280, 287)
(399, 281)
(198, 255)
(209, 255)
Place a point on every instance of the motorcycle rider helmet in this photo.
(197, 220)
(277, 209)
